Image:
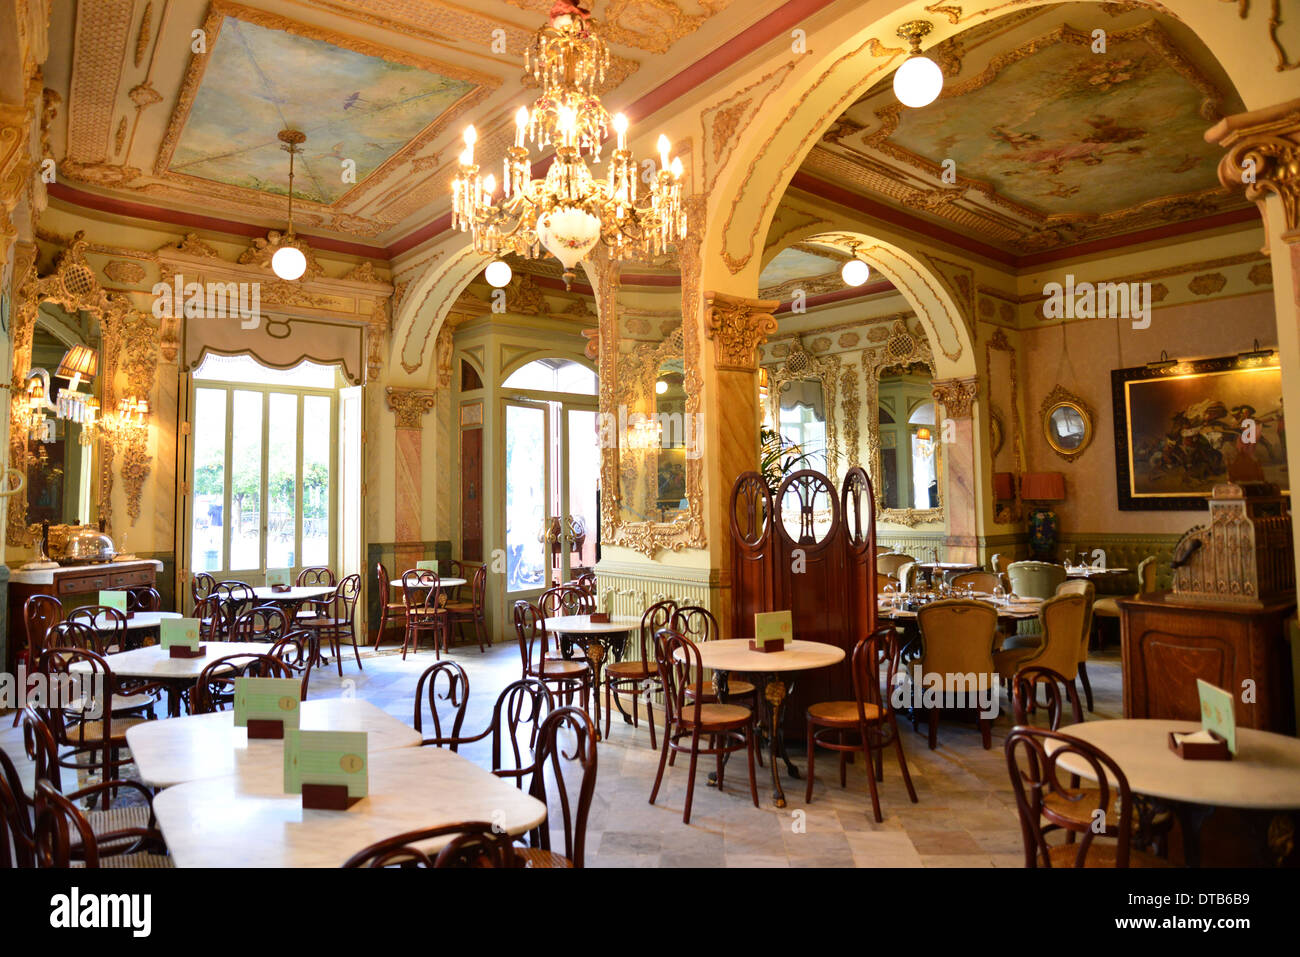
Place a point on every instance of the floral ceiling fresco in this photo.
(351, 106)
(1067, 115)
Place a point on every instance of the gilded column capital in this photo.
(737, 326)
(410, 405)
(955, 395)
(1263, 155)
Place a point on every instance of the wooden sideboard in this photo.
(73, 585)
(1170, 642)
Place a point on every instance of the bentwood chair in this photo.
(298, 651)
(699, 624)
(866, 723)
(426, 610)
(260, 623)
(214, 689)
(63, 837)
(1042, 791)
(201, 586)
(564, 677)
(450, 568)
(388, 608)
(146, 598)
(1152, 824)
(456, 696)
(42, 749)
(562, 600)
(90, 737)
(640, 676)
(476, 844)
(726, 727)
(212, 623)
(102, 629)
(473, 611)
(40, 614)
(516, 723)
(587, 582)
(235, 598)
(957, 642)
(107, 624)
(1089, 592)
(335, 620)
(315, 576)
(1062, 619)
(566, 738)
(17, 842)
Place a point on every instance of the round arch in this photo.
(577, 357)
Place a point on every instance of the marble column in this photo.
(960, 495)
(409, 406)
(735, 327)
(1263, 157)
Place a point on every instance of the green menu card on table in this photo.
(1218, 713)
(278, 576)
(326, 757)
(267, 699)
(178, 632)
(429, 565)
(773, 626)
(113, 599)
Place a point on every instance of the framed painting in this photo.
(1183, 427)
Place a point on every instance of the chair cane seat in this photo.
(91, 733)
(132, 861)
(553, 668)
(536, 857)
(632, 669)
(462, 607)
(135, 816)
(718, 716)
(1101, 855)
(1081, 810)
(843, 713)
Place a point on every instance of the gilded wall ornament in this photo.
(1264, 156)
(410, 405)
(259, 253)
(957, 396)
(737, 326)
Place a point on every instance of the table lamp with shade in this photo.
(1039, 490)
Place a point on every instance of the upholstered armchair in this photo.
(1035, 579)
(1063, 618)
(1089, 592)
(957, 641)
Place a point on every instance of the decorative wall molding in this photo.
(738, 326)
(1264, 156)
(410, 405)
(957, 396)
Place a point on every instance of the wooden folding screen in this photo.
(825, 575)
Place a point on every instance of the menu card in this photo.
(179, 632)
(1218, 713)
(113, 599)
(773, 626)
(328, 758)
(267, 699)
(428, 564)
(278, 576)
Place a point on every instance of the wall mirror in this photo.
(1067, 423)
(906, 454)
(61, 486)
(801, 406)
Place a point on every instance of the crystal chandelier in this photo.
(571, 209)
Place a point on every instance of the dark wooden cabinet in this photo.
(73, 585)
(1169, 643)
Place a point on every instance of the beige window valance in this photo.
(280, 342)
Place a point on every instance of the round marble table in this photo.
(136, 626)
(735, 655)
(246, 819)
(444, 582)
(1264, 774)
(596, 639)
(177, 674)
(177, 750)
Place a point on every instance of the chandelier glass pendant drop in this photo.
(570, 209)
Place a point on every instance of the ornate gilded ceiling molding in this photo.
(261, 252)
(465, 308)
(957, 396)
(410, 405)
(1264, 156)
(102, 37)
(738, 326)
(721, 123)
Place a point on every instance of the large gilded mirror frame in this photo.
(799, 365)
(901, 350)
(638, 369)
(73, 286)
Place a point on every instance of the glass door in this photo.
(579, 484)
(528, 487)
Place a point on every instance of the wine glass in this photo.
(999, 595)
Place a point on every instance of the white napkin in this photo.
(1195, 737)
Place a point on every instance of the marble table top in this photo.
(176, 750)
(141, 619)
(1087, 571)
(1264, 774)
(246, 819)
(734, 654)
(445, 582)
(949, 566)
(155, 662)
(583, 625)
(1015, 610)
(45, 576)
(295, 593)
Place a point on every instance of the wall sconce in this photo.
(40, 427)
(128, 423)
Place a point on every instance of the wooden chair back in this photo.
(78, 634)
(681, 672)
(422, 592)
(40, 614)
(298, 650)
(476, 844)
(534, 641)
(1036, 775)
(456, 696)
(874, 653)
(315, 576)
(109, 633)
(260, 623)
(212, 618)
(657, 616)
(201, 586)
(555, 758)
(891, 562)
(17, 843)
(561, 600)
(696, 623)
(214, 689)
(1024, 694)
(146, 598)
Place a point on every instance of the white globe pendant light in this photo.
(498, 274)
(919, 81)
(289, 263)
(855, 272)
